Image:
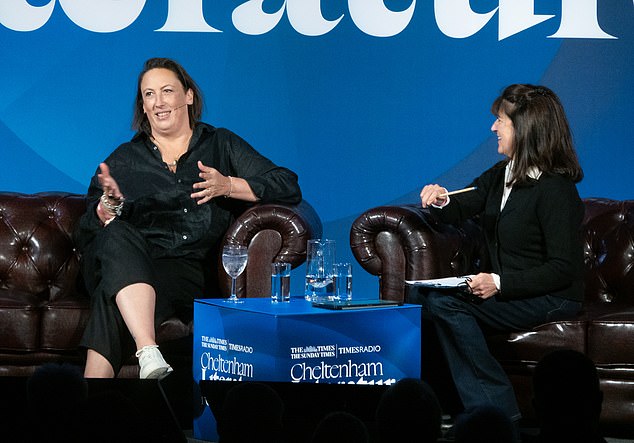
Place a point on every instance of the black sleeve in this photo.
(269, 182)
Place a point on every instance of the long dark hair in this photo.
(140, 122)
(542, 134)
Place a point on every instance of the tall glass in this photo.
(234, 260)
(343, 281)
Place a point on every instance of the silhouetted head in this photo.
(566, 391)
(409, 411)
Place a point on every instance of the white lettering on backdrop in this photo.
(454, 18)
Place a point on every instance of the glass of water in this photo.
(343, 281)
(234, 260)
(280, 282)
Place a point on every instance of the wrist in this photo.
(104, 216)
(228, 194)
(442, 204)
(496, 281)
(113, 208)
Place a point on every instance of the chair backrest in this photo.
(608, 242)
(608, 233)
(273, 233)
(38, 256)
(403, 242)
(37, 253)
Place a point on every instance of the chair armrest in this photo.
(273, 233)
(404, 242)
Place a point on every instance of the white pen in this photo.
(459, 191)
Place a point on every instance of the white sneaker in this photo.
(152, 363)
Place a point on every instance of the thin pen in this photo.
(458, 191)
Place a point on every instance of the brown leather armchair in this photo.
(399, 243)
(43, 310)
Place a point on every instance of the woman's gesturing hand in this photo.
(213, 184)
(109, 184)
(431, 195)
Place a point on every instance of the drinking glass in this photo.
(280, 282)
(234, 260)
(343, 281)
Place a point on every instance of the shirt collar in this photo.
(533, 172)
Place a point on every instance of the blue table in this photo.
(296, 342)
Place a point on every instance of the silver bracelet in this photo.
(112, 209)
(230, 187)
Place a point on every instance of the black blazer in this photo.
(534, 243)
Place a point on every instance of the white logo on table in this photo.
(341, 350)
(218, 367)
(221, 344)
(350, 372)
(215, 366)
(330, 351)
(321, 351)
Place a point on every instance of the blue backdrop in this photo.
(367, 100)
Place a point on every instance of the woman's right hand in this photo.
(112, 195)
(433, 195)
(109, 184)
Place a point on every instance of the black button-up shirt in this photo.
(158, 201)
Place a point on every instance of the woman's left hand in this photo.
(214, 184)
(482, 285)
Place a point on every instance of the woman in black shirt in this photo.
(158, 206)
(531, 216)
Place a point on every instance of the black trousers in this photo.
(118, 257)
(461, 327)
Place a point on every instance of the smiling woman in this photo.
(503, 128)
(154, 218)
(163, 101)
(531, 216)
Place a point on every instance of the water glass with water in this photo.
(280, 282)
(234, 260)
(343, 281)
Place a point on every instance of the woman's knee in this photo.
(439, 303)
(120, 236)
(432, 302)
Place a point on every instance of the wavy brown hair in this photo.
(542, 134)
(140, 121)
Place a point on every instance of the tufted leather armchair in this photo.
(404, 242)
(43, 309)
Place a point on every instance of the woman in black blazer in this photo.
(531, 215)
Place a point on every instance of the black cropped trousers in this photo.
(119, 256)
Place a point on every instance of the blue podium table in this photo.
(296, 342)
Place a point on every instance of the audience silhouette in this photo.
(111, 416)
(341, 427)
(485, 423)
(567, 398)
(62, 407)
(408, 411)
(251, 412)
(55, 393)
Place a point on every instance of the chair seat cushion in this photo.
(611, 338)
(63, 324)
(530, 346)
(20, 314)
